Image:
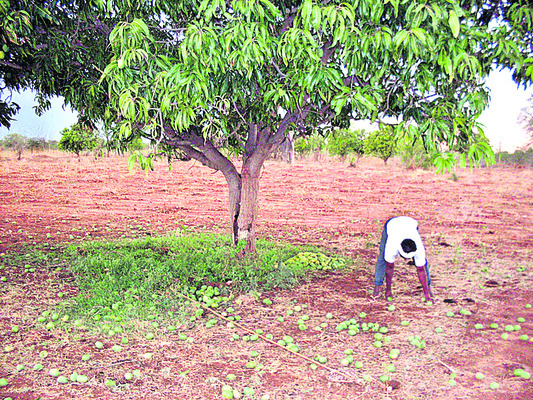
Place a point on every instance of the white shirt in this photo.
(399, 229)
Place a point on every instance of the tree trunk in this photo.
(287, 148)
(247, 218)
(234, 188)
(243, 188)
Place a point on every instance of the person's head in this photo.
(408, 247)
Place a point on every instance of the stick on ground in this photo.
(350, 378)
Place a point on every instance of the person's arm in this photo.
(421, 270)
(423, 277)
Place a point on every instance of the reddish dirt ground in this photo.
(477, 228)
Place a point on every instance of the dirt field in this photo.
(477, 229)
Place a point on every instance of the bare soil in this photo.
(477, 226)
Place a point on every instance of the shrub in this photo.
(342, 142)
(381, 144)
(413, 155)
(77, 138)
(310, 144)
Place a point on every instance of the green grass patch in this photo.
(139, 278)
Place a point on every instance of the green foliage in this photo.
(381, 143)
(77, 139)
(55, 49)
(240, 62)
(445, 161)
(517, 158)
(8, 109)
(342, 142)
(291, 54)
(136, 145)
(137, 158)
(16, 142)
(313, 143)
(413, 155)
(479, 152)
(148, 269)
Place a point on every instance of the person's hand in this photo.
(422, 276)
(429, 294)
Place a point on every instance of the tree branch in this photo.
(276, 66)
(203, 150)
(197, 155)
(350, 80)
(289, 19)
(327, 52)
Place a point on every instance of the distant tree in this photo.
(52, 144)
(342, 142)
(77, 138)
(308, 144)
(16, 142)
(37, 144)
(381, 143)
(517, 158)
(203, 76)
(525, 118)
(413, 155)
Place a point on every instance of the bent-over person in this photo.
(401, 237)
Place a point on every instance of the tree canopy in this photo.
(208, 79)
(55, 49)
(77, 139)
(381, 144)
(16, 142)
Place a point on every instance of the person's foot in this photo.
(388, 294)
(376, 292)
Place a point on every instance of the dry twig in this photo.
(350, 378)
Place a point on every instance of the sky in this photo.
(48, 126)
(500, 119)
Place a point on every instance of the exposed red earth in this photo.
(477, 226)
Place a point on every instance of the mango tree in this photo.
(381, 143)
(233, 77)
(211, 80)
(77, 139)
